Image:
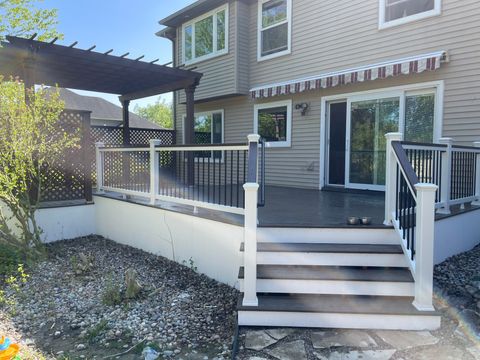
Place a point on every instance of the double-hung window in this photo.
(206, 36)
(396, 12)
(274, 28)
(273, 122)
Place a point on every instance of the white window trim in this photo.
(269, 105)
(215, 52)
(382, 24)
(259, 33)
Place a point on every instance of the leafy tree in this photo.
(23, 18)
(31, 141)
(160, 113)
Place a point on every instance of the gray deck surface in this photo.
(328, 248)
(348, 273)
(344, 304)
(314, 208)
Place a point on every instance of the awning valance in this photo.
(404, 66)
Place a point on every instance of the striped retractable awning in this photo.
(404, 66)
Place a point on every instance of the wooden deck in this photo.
(294, 207)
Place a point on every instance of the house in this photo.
(323, 82)
(103, 112)
(309, 113)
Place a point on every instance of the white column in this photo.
(154, 170)
(250, 245)
(390, 176)
(424, 245)
(446, 176)
(477, 175)
(99, 165)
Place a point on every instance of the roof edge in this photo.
(189, 12)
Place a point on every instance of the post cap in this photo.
(445, 140)
(250, 186)
(426, 187)
(394, 136)
(253, 138)
(99, 144)
(476, 143)
(155, 142)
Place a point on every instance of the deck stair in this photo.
(345, 283)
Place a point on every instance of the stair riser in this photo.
(330, 235)
(338, 320)
(289, 286)
(331, 259)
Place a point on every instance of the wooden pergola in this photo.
(47, 63)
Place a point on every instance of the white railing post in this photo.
(250, 226)
(390, 176)
(424, 235)
(154, 170)
(99, 165)
(477, 175)
(446, 176)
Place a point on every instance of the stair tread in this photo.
(345, 273)
(327, 248)
(344, 304)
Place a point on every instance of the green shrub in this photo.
(112, 295)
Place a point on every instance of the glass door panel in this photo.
(370, 120)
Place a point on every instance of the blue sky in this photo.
(122, 25)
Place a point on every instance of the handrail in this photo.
(405, 165)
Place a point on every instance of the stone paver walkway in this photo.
(453, 341)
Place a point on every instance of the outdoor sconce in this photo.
(302, 106)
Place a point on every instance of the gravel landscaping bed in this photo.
(69, 311)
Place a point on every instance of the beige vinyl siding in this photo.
(221, 73)
(336, 35)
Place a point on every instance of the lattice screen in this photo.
(65, 179)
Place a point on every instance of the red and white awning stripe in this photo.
(405, 66)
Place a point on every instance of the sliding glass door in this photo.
(370, 120)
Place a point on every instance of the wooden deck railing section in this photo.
(420, 180)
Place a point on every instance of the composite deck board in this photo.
(340, 273)
(327, 248)
(343, 304)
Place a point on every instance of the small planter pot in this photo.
(366, 220)
(353, 220)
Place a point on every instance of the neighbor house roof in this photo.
(189, 12)
(102, 109)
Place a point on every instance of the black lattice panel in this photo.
(65, 178)
(127, 170)
(143, 136)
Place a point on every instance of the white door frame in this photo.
(438, 121)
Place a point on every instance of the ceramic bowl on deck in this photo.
(353, 220)
(366, 220)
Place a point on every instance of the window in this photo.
(396, 12)
(206, 36)
(274, 28)
(208, 130)
(419, 117)
(273, 122)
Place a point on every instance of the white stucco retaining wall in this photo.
(213, 246)
(456, 234)
(66, 222)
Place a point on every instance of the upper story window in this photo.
(206, 36)
(274, 28)
(397, 12)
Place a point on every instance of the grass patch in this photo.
(94, 332)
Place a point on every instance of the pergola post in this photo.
(126, 122)
(190, 131)
(28, 78)
(126, 141)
